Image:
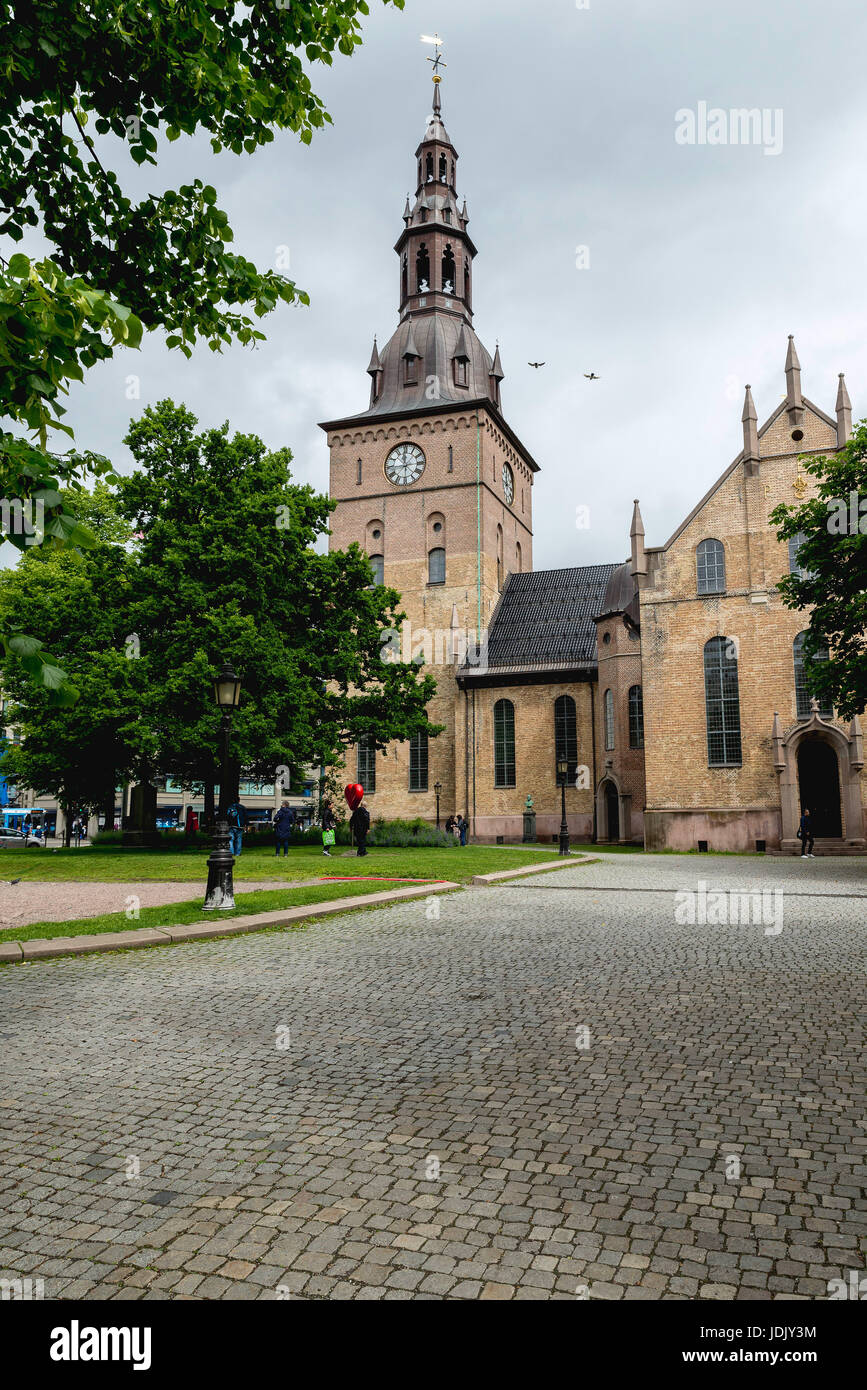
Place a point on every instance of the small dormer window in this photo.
(410, 370)
(447, 215)
(462, 367)
(422, 216)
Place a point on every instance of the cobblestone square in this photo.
(552, 1089)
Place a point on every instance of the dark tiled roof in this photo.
(545, 619)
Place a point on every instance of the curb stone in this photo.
(51, 947)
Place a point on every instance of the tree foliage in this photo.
(832, 584)
(87, 89)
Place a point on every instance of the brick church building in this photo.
(670, 682)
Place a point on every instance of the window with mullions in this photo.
(436, 566)
(795, 567)
(803, 694)
(366, 764)
(566, 733)
(504, 744)
(609, 721)
(710, 563)
(418, 748)
(636, 717)
(722, 702)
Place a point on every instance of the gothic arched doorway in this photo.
(612, 812)
(819, 786)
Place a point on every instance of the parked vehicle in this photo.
(16, 839)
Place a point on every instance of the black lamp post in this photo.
(562, 774)
(438, 786)
(220, 893)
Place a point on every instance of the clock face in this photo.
(508, 483)
(404, 465)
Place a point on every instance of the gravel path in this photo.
(30, 901)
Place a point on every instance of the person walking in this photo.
(805, 835)
(76, 832)
(284, 824)
(360, 824)
(329, 827)
(237, 818)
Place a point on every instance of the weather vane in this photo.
(438, 59)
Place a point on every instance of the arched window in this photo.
(444, 168)
(377, 564)
(366, 764)
(436, 566)
(518, 557)
(710, 561)
(422, 269)
(429, 168)
(803, 694)
(722, 702)
(566, 733)
(467, 284)
(418, 747)
(499, 557)
(358, 471)
(609, 721)
(404, 278)
(636, 717)
(504, 744)
(449, 272)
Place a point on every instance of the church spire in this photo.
(844, 413)
(750, 423)
(794, 402)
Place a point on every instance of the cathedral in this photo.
(662, 695)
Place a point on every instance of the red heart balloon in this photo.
(354, 794)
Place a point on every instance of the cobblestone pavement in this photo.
(391, 1104)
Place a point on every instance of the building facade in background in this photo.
(670, 683)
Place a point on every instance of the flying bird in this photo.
(535, 364)
(591, 376)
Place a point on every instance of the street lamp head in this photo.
(562, 767)
(438, 786)
(227, 688)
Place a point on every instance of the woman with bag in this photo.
(329, 825)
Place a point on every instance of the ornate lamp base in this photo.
(220, 892)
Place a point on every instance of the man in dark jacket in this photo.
(360, 824)
(284, 824)
(805, 835)
(237, 818)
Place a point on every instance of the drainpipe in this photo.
(593, 727)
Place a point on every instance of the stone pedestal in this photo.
(140, 826)
(529, 827)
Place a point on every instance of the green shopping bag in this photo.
(327, 838)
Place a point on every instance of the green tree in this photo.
(832, 583)
(87, 89)
(77, 753)
(226, 568)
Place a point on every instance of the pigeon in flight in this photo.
(535, 364)
(591, 376)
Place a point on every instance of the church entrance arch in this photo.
(612, 812)
(819, 786)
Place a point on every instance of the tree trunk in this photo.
(208, 812)
(108, 807)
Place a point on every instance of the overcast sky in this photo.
(703, 258)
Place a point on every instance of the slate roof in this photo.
(544, 621)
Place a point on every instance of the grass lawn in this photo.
(109, 866)
(177, 914)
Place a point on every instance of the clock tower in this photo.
(430, 480)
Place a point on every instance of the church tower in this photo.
(430, 480)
